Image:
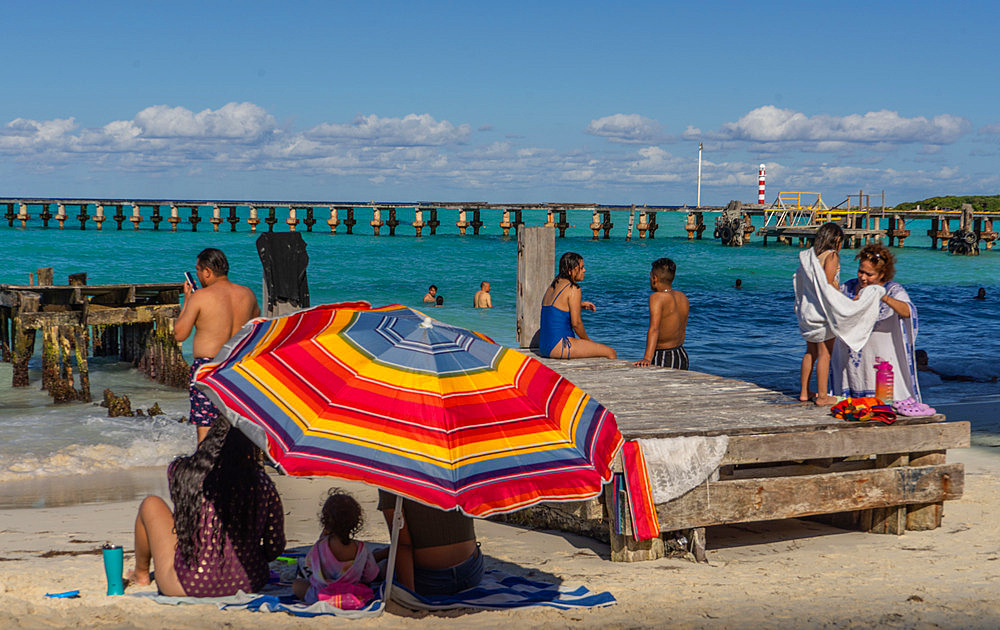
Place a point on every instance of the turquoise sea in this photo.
(749, 334)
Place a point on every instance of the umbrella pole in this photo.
(390, 568)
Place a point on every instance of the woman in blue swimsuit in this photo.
(561, 334)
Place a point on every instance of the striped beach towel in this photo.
(498, 591)
(645, 524)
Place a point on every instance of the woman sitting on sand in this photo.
(853, 372)
(228, 524)
(561, 334)
(437, 553)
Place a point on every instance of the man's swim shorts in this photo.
(203, 412)
(676, 358)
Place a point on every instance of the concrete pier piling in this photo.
(973, 229)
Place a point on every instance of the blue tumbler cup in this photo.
(114, 561)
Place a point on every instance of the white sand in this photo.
(781, 574)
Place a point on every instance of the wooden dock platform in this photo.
(785, 459)
(133, 321)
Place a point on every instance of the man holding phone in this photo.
(215, 313)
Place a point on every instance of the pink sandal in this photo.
(913, 409)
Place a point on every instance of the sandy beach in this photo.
(777, 574)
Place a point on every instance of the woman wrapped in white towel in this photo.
(826, 314)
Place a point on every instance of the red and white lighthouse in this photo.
(761, 198)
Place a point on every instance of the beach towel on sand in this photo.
(824, 312)
(497, 591)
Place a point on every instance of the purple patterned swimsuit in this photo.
(243, 564)
(203, 412)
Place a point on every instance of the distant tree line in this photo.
(988, 203)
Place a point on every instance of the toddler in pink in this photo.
(338, 568)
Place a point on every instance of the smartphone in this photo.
(190, 278)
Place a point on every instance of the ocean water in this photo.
(749, 334)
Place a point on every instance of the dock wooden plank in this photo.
(846, 442)
(746, 500)
(659, 402)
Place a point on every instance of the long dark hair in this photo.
(829, 236)
(225, 472)
(568, 262)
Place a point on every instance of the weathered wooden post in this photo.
(653, 225)
(24, 337)
(45, 216)
(61, 215)
(9, 215)
(536, 260)
(271, 219)
(293, 220)
(310, 220)
(156, 218)
(462, 223)
(550, 220)
(376, 221)
(253, 220)
(595, 225)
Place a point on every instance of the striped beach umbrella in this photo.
(401, 401)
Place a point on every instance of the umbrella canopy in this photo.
(398, 400)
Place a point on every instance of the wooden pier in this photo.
(785, 459)
(133, 321)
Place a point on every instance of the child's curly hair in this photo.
(341, 516)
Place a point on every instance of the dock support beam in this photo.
(536, 260)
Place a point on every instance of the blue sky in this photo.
(519, 101)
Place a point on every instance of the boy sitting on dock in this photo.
(215, 312)
(668, 315)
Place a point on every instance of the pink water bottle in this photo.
(883, 380)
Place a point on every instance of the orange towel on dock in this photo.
(645, 525)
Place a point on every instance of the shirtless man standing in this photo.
(482, 298)
(215, 313)
(668, 316)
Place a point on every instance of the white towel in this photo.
(824, 312)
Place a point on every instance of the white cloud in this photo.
(990, 129)
(233, 120)
(411, 130)
(627, 128)
(771, 124)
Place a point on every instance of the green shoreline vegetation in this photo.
(982, 203)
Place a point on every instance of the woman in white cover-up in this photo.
(892, 338)
(824, 313)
